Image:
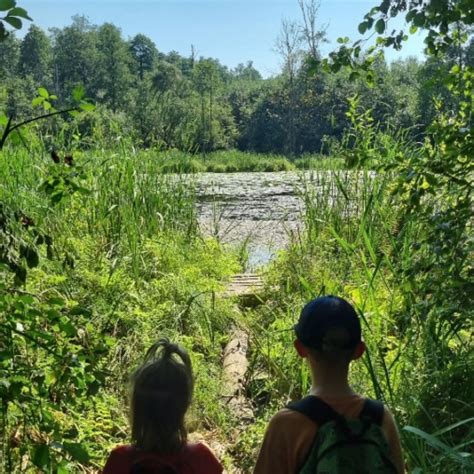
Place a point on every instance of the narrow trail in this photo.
(246, 290)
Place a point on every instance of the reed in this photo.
(352, 245)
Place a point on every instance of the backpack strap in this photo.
(315, 409)
(320, 412)
(373, 410)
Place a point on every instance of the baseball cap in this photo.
(328, 323)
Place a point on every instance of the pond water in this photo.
(256, 210)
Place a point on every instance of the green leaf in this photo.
(80, 310)
(43, 92)
(41, 456)
(380, 26)
(87, 107)
(384, 6)
(410, 15)
(3, 119)
(78, 93)
(363, 27)
(20, 12)
(56, 301)
(13, 21)
(26, 299)
(433, 441)
(370, 78)
(353, 76)
(67, 328)
(37, 101)
(63, 468)
(77, 451)
(419, 19)
(312, 66)
(7, 4)
(453, 426)
(456, 69)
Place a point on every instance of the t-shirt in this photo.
(194, 458)
(291, 434)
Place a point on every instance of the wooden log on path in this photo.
(234, 368)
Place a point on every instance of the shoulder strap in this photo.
(315, 409)
(374, 410)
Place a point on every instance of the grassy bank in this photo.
(233, 161)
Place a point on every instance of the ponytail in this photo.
(161, 394)
(168, 349)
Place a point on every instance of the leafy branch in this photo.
(14, 17)
(44, 99)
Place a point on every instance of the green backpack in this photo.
(346, 446)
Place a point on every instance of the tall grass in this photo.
(127, 252)
(124, 198)
(231, 161)
(352, 246)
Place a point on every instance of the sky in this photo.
(233, 31)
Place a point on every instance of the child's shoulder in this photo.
(348, 406)
(201, 456)
(287, 416)
(198, 448)
(123, 449)
(119, 460)
(290, 424)
(196, 456)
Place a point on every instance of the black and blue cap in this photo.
(324, 317)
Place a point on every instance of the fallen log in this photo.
(234, 368)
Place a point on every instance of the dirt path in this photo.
(246, 290)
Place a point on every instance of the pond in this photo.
(256, 210)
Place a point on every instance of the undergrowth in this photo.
(127, 264)
(120, 262)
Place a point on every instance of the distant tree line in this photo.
(198, 104)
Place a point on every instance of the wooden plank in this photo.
(245, 284)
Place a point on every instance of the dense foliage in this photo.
(193, 104)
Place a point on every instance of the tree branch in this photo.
(9, 129)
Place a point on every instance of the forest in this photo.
(103, 140)
(193, 104)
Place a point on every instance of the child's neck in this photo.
(330, 382)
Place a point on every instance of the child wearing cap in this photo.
(328, 336)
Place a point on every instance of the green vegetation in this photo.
(100, 252)
(356, 246)
(174, 161)
(123, 265)
(196, 104)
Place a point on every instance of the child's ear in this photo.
(359, 350)
(300, 348)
